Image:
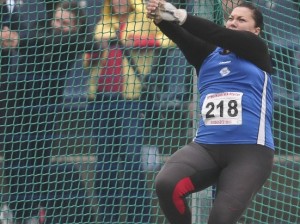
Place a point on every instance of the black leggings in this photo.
(238, 171)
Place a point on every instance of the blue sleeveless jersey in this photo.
(236, 102)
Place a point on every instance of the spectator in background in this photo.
(9, 40)
(176, 79)
(169, 94)
(11, 26)
(115, 109)
(10, 34)
(46, 56)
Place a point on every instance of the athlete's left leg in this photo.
(246, 168)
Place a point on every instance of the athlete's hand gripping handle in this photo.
(159, 10)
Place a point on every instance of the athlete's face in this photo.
(241, 18)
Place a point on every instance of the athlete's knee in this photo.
(174, 191)
(227, 209)
(163, 184)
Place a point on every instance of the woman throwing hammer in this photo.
(233, 147)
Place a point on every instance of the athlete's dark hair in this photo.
(257, 14)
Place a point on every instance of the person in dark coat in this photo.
(46, 56)
(10, 34)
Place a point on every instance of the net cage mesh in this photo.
(82, 140)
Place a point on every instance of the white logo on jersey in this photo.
(224, 62)
(224, 71)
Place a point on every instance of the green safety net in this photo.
(92, 106)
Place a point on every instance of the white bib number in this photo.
(222, 108)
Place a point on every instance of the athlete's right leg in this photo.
(245, 169)
(188, 170)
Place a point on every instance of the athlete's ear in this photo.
(257, 30)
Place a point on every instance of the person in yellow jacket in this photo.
(127, 38)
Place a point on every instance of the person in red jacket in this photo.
(115, 110)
